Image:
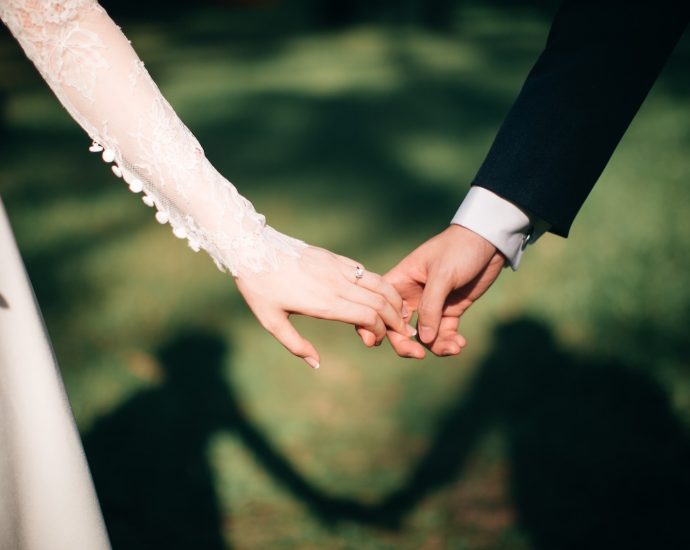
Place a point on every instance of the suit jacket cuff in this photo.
(509, 228)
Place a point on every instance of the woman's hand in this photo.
(323, 285)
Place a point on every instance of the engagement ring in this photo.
(359, 273)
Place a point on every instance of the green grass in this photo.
(361, 140)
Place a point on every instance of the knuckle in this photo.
(379, 302)
(380, 326)
(269, 324)
(371, 318)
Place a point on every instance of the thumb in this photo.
(283, 330)
(430, 311)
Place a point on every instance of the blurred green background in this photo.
(358, 126)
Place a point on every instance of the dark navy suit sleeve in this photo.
(600, 61)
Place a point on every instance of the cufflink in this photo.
(526, 238)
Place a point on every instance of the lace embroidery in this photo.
(97, 76)
(135, 72)
(75, 58)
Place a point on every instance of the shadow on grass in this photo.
(149, 456)
(596, 455)
(597, 458)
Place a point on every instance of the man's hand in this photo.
(440, 280)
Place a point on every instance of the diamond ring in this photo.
(359, 273)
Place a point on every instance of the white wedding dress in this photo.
(47, 500)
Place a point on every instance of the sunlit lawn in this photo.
(363, 141)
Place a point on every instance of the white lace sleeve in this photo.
(97, 76)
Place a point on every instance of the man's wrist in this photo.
(500, 222)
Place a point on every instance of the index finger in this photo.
(376, 283)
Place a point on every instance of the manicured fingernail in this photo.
(411, 331)
(426, 334)
(313, 363)
(405, 312)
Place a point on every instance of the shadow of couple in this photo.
(597, 457)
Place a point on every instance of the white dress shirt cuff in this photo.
(509, 228)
